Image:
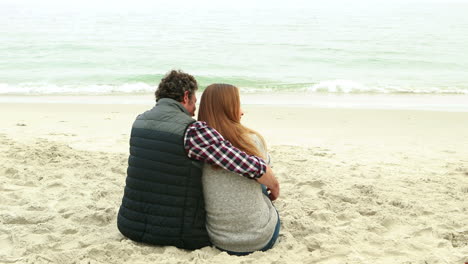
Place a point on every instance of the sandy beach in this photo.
(357, 185)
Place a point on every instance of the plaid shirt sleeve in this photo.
(204, 143)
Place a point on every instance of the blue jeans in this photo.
(272, 240)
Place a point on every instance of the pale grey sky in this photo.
(190, 3)
(98, 6)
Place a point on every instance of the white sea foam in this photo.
(96, 89)
(328, 86)
(349, 86)
(339, 86)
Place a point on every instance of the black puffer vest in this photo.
(163, 199)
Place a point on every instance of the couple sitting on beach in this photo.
(183, 186)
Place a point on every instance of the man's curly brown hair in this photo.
(174, 85)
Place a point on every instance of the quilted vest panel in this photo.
(163, 198)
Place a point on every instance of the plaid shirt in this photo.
(204, 143)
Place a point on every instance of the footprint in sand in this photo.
(6, 244)
(11, 172)
(367, 212)
(389, 223)
(312, 243)
(320, 154)
(14, 219)
(315, 184)
(400, 204)
(426, 232)
(70, 231)
(367, 190)
(305, 187)
(54, 184)
(299, 160)
(36, 208)
(458, 239)
(100, 218)
(66, 214)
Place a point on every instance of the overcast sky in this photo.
(190, 3)
(12, 7)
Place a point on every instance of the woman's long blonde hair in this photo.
(220, 109)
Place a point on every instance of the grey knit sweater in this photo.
(239, 217)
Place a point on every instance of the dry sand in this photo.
(357, 186)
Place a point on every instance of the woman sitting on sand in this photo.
(240, 218)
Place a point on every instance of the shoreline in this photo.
(426, 102)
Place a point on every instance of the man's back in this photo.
(163, 199)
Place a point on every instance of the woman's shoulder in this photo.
(260, 144)
(257, 140)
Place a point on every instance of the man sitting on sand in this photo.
(163, 198)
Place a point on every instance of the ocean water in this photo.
(376, 47)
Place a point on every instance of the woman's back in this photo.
(240, 217)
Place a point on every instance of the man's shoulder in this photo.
(144, 115)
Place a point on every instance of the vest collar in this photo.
(172, 103)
